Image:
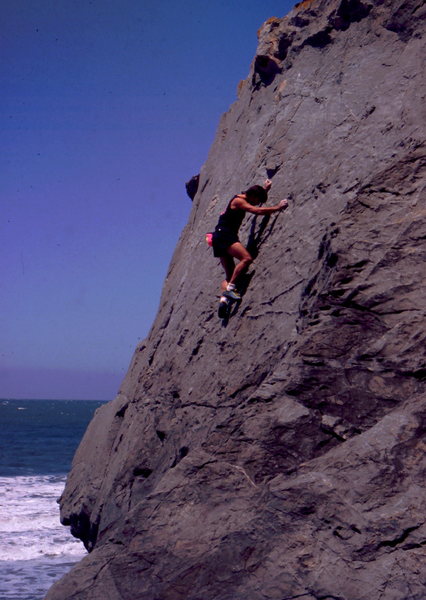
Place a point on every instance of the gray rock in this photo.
(280, 454)
(192, 186)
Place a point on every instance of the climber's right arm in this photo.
(259, 210)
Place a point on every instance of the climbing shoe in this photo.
(223, 309)
(232, 294)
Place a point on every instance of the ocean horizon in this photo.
(38, 439)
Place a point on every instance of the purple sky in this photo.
(107, 108)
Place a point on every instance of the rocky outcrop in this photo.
(279, 454)
(192, 186)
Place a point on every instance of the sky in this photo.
(107, 108)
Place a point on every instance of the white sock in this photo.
(223, 299)
(230, 287)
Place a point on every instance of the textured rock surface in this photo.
(280, 455)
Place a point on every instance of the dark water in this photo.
(41, 436)
(38, 439)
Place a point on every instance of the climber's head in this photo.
(256, 194)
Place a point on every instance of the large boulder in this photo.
(280, 454)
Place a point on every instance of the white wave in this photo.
(29, 521)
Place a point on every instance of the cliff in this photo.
(280, 454)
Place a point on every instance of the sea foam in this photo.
(35, 549)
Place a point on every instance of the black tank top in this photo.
(231, 219)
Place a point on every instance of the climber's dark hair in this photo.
(257, 191)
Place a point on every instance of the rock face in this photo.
(280, 454)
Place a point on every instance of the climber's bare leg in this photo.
(228, 265)
(238, 251)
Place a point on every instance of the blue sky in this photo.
(107, 108)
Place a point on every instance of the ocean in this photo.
(38, 439)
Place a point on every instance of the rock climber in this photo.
(226, 244)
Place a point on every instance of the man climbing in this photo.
(226, 244)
